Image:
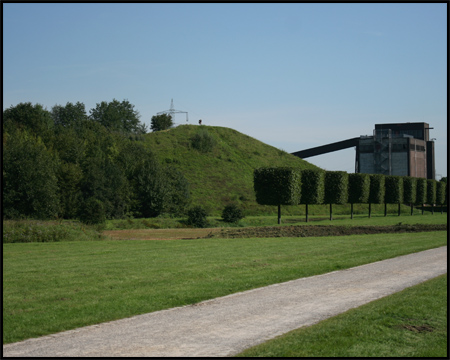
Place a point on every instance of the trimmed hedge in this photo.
(358, 188)
(394, 189)
(377, 189)
(409, 190)
(441, 189)
(431, 192)
(313, 188)
(336, 187)
(421, 191)
(277, 186)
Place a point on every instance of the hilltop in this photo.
(224, 174)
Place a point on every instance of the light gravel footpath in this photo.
(227, 325)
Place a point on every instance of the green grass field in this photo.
(411, 323)
(56, 286)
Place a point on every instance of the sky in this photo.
(292, 75)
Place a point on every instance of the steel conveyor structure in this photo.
(319, 150)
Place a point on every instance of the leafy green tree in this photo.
(394, 192)
(377, 190)
(421, 192)
(431, 193)
(441, 192)
(30, 184)
(32, 117)
(312, 188)
(277, 186)
(161, 122)
(118, 116)
(93, 212)
(152, 188)
(69, 115)
(358, 189)
(336, 188)
(69, 181)
(410, 191)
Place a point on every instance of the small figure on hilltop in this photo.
(200, 122)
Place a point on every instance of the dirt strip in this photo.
(227, 325)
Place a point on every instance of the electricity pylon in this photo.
(172, 111)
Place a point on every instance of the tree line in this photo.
(289, 186)
(64, 163)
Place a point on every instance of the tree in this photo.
(394, 192)
(312, 187)
(441, 190)
(377, 190)
(336, 188)
(358, 189)
(118, 116)
(30, 185)
(421, 192)
(69, 115)
(410, 191)
(161, 122)
(277, 186)
(32, 117)
(431, 193)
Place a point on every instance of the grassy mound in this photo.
(221, 171)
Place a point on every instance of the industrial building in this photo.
(403, 149)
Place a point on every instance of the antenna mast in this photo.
(172, 112)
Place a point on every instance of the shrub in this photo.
(232, 214)
(93, 212)
(197, 217)
(203, 141)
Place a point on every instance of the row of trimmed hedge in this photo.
(291, 186)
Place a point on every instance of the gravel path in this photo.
(227, 325)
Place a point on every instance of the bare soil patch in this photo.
(267, 231)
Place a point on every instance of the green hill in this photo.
(224, 174)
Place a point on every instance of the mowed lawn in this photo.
(52, 287)
(410, 323)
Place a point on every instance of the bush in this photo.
(203, 141)
(197, 217)
(232, 214)
(93, 212)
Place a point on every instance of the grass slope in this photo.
(225, 174)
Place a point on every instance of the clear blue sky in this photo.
(294, 76)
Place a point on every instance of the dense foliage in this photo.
(277, 186)
(336, 187)
(197, 217)
(161, 122)
(313, 186)
(358, 188)
(394, 189)
(203, 141)
(65, 164)
(232, 213)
